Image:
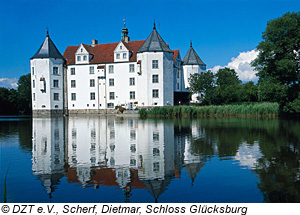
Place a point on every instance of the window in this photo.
(131, 67)
(92, 82)
(56, 96)
(154, 78)
(111, 69)
(110, 105)
(78, 58)
(33, 96)
(155, 93)
(32, 69)
(55, 70)
(118, 56)
(111, 82)
(155, 136)
(55, 83)
(132, 135)
(92, 71)
(177, 86)
(121, 47)
(124, 55)
(33, 83)
(132, 94)
(131, 81)
(156, 166)
(92, 96)
(155, 152)
(154, 64)
(73, 83)
(72, 71)
(132, 147)
(111, 95)
(84, 58)
(73, 96)
(132, 162)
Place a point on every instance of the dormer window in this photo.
(121, 47)
(81, 50)
(124, 55)
(118, 56)
(84, 58)
(78, 58)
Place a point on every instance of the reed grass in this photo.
(252, 109)
(5, 187)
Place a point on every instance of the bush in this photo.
(143, 112)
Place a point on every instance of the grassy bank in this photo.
(255, 109)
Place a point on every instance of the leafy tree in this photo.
(228, 85)
(279, 55)
(24, 91)
(248, 92)
(269, 89)
(203, 83)
(8, 101)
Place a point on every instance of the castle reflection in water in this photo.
(111, 151)
(122, 152)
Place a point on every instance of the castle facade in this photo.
(96, 78)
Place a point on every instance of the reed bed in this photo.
(254, 109)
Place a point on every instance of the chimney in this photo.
(94, 42)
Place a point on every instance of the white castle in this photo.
(98, 77)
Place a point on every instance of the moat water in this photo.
(127, 159)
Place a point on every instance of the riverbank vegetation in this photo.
(16, 101)
(254, 109)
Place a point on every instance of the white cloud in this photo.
(248, 155)
(241, 64)
(9, 82)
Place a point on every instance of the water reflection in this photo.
(129, 153)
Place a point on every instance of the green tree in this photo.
(248, 92)
(269, 89)
(279, 55)
(24, 93)
(203, 83)
(228, 86)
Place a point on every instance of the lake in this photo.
(127, 159)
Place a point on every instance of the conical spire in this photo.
(48, 49)
(192, 58)
(154, 43)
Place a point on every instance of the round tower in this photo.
(192, 64)
(156, 72)
(47, 79)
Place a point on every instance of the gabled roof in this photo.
(192, 58)
(154, 43)
(48, 50)
(103, 53)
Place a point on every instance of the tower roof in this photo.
(154, 43)
(192, 58)
(48, 50)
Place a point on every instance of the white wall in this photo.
(165, 74)
(43, 68)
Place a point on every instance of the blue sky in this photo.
(220, 30)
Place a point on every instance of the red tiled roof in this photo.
(175, 54)
(103, 53)
(105, 177)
